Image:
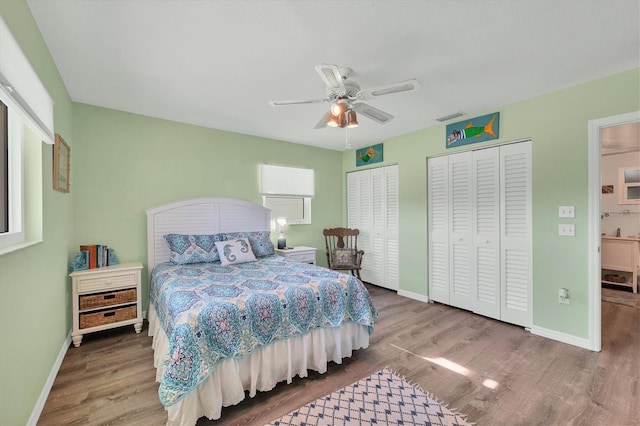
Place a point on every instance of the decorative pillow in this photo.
(193, 248)
(260, 241)
(235, 251)
(343, 257)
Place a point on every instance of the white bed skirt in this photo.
(260, 371)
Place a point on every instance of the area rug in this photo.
(380, 399)
(621, 297)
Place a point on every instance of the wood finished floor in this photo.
(495, 373)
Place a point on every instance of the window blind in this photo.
(290, 181)
(20, 83)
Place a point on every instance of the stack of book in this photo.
(97, 255)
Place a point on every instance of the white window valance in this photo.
(289, 181)
(21, 85)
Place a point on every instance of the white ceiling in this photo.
(218, 63)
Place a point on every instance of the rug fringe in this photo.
(429, 395)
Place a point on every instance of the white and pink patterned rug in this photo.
(380, 399)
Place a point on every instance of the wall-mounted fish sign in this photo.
(479, 129)
(369, 155)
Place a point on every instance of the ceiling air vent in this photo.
(450, 116)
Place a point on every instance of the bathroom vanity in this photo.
(621, 254)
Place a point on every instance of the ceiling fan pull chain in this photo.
(347, 145)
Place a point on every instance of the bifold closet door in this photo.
(359, 214)
(479, 221)
(485, 260)
(516, 233)
(390, 228)
(372, 207)
(438, 218)
(461, 291)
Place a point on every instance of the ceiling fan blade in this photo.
(373, 113)
(323, 121)
(298, 102)
(402, 86)
(332, 78)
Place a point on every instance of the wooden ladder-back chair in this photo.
(342, 250)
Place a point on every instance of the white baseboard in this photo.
(561, 337)
(37, 410)
(414, 296)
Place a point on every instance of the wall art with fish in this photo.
(369, 155)
(479, 129)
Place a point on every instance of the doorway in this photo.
(595, 208)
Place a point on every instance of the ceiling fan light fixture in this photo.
(332, 121)
(352, 121)
(342, 120)
(338, 108)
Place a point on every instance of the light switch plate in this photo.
(567, 230)
(567, 211)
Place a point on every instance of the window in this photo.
(26, 120)
(297, 210)
(629, 184)
(13, 232)
(287, 191)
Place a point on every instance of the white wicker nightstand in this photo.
(105, 298)
(300, 254)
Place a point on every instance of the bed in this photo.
(220, 328)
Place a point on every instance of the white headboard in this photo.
(200, 216)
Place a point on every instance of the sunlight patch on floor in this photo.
(450, 365)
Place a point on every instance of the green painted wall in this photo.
(127, 163)
(123, 164)
(557, 125)
(34, 287)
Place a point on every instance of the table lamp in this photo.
(282, 226)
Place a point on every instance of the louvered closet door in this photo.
(359, 213)
(373, 208)
(391, 227)
(485, 261)
(516, 230)
(461, 293)
(376, 254)
(438, 218)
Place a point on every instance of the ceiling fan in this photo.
(346, 98)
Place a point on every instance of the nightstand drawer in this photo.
(302, 254)
(110, 316)
(106, 282)
(303, 257)
(103, 300)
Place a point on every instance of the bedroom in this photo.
(114, 179)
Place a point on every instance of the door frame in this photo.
(594, 211)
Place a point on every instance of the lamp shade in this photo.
(338, 108)
(332, 121)
(352, 121)
(342, 120)
(282, 224)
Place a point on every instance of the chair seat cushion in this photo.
(342, 258)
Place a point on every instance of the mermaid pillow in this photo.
(235, 251)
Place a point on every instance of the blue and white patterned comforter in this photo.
(212, 312)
